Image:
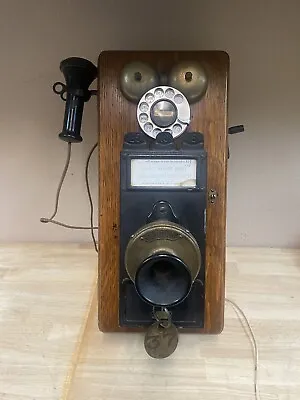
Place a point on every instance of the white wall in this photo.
(262, 38)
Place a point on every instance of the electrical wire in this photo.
(61, 181)
(241, 315)
(90, 196)
(57, 197)
(54, 221)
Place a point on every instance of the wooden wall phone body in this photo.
(118, 116)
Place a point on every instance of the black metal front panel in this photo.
(189, 206)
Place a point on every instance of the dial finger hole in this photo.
(143, 118)
(170, 93)
(148, 127)
(144, 107)
(149, 98)
(177, 129)
(159, 93)
(178, 99)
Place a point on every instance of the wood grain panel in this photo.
(118, 116)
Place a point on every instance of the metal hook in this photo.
(56, 87)
(163, 316)
(63, 96)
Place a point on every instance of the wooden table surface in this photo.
(51, 347)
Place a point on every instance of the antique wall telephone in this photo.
(162, 188)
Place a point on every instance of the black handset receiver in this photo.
(79, 73)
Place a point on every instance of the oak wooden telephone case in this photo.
(118, 116)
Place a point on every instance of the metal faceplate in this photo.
(163, 109)
(137, 221)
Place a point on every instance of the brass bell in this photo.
(136, 79)
(190, 78)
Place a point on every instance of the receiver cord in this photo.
(57, 196)
(241, 316)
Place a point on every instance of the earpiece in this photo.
(79, 73)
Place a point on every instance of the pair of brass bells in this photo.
(189, 77)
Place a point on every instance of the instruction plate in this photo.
(163, 173)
